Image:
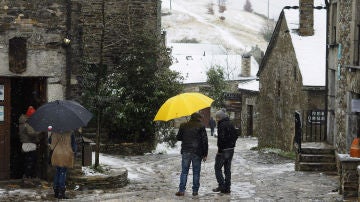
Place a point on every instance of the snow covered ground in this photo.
(256, 176)
(238, 32)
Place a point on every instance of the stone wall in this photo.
(120, 19)
(42, 25)
(348, 176)
(344, 84)
(280, 92)
(249, 100)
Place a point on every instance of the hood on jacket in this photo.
(220, 115)
(196, 116)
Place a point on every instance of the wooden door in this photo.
(5, 128)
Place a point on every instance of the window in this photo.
(333, 23)
(356, 53)
(17, 55)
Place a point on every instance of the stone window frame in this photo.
(17, 50)
(355, 34)
(333, 28)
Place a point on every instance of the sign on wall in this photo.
(2, 92)
(1, 113)
(355, 105)
(316, 116)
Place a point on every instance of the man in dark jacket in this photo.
(194, 147)
(212, 125)
(226, 143)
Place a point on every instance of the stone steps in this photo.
(316, 157)
(306, 166)
(326, 158)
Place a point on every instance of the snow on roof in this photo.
(252, 85)
(310, 50)
(192, 63)
(196, 49)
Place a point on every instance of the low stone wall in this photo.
(348, 175)
(126, 149)
(116, 179)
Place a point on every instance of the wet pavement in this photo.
(256, 176)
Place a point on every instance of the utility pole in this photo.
(170, 4)
(267, 9)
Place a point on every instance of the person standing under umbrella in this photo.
(29, 139)
(226, 141)
(64, 147)
(194, 147)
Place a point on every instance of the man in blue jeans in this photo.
(226, 141)
(194, 148)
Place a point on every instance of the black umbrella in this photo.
(62, 115)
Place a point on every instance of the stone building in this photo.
(343, 73)
(292, 77)
(249, 92)
(43, 45)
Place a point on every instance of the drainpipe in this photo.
(327, 68)
(67, 41)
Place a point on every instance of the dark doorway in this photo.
(298, 131)
(250, 122)
(25, 91)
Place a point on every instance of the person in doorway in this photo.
(212, 125)
(194, 148)
(30, 140)
(64, 148)
(226, 141)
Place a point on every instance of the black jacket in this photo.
(212, 123)
(227, 135)
(194, 138)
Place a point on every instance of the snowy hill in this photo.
(237, 32)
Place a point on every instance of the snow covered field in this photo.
(238, 32)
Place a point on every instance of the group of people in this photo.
(63, 147)
(194, 149)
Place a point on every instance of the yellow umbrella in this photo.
(181, 105)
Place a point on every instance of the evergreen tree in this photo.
(217, 86)
(248, 6)
(125, 97)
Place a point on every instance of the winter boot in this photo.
(56, 192)
(62, 193)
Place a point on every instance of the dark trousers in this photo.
(60, 177)
(30, 161)
(212, 131)
(224, 160)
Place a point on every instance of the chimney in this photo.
(245, 65)
(306, 17)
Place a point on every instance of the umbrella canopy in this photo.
(61, 115)
(181, 105)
